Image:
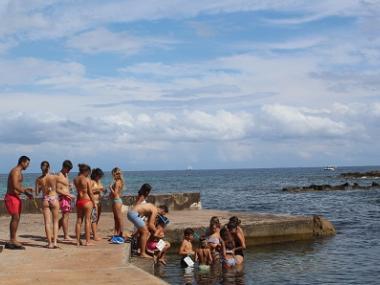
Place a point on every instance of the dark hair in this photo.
(236, 220)
(232, 225)
(188, 232)
(164, 207)
(145, 190)
(97, 172)
(203, 242)
(214, 220)
(23, 159)
(84, 168)
(67, 164)
(45, 162)
(225, 234)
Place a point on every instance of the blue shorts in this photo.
(136, 219)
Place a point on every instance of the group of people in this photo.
(219, 245)
(55, 190)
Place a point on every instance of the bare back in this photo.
(63, 184)
(47, 185)
(83, 186)
(203, 255)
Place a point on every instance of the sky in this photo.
(168, 84)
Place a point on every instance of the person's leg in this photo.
(119, 218)
(55, 212)
(13, 225)
(87, 216)
(65, 226)
(99, 211)
(47, 221)
(144, 234)
(78, 225)
(115, 217)
(163, 253)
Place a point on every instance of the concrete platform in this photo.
(258, 228)
(103, 263)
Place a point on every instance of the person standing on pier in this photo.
(85, 203)
(63, 187)
(13, 202)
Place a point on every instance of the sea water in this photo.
(351, 257)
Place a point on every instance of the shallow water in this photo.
(351, 257)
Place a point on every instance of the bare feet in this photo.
(163, 261)
(97, 239)
(146, 256)
(88, 244)
(67, 239)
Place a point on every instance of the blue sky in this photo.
(169, 84)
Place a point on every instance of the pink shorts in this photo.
(13, 204)
(65, 204)
(151, 246)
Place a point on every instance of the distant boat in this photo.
(189, 168)
(330, 168)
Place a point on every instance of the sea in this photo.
(350, 257)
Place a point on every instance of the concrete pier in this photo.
(174, 201)
(258, 228)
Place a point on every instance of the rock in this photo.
(369, 174)
(328, 187)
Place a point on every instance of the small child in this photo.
(154, 240)
(186, 249)
(203, 255)
(229, 260)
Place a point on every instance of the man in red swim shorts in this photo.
(13, 202)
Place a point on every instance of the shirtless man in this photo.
(85, 202)
(63, 188)
(13, 202)
(136, 214)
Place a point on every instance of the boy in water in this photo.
(203, 255)
(186, 249)
(154, 240)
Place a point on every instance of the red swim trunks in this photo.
(82, 202)
(13, 204)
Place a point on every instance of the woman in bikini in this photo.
(85, 202)
(116, 194)
(46, 184)
(97, 188)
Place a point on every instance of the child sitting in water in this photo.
(186, 249)
(203, 255)
(153, 243)
(229, 259)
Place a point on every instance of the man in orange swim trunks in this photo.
(13, 202)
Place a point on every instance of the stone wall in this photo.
(174, 201)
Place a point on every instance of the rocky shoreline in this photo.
(362, 175)
(327, 187)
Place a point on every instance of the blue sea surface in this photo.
(351, 257)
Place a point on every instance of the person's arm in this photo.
(196, 256)
(89, 192)
(37, 188)
(241, 237)
(152, 220)
(17, 186)
(210, 257)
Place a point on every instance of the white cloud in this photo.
(102, 40)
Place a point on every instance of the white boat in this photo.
(330, 168)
